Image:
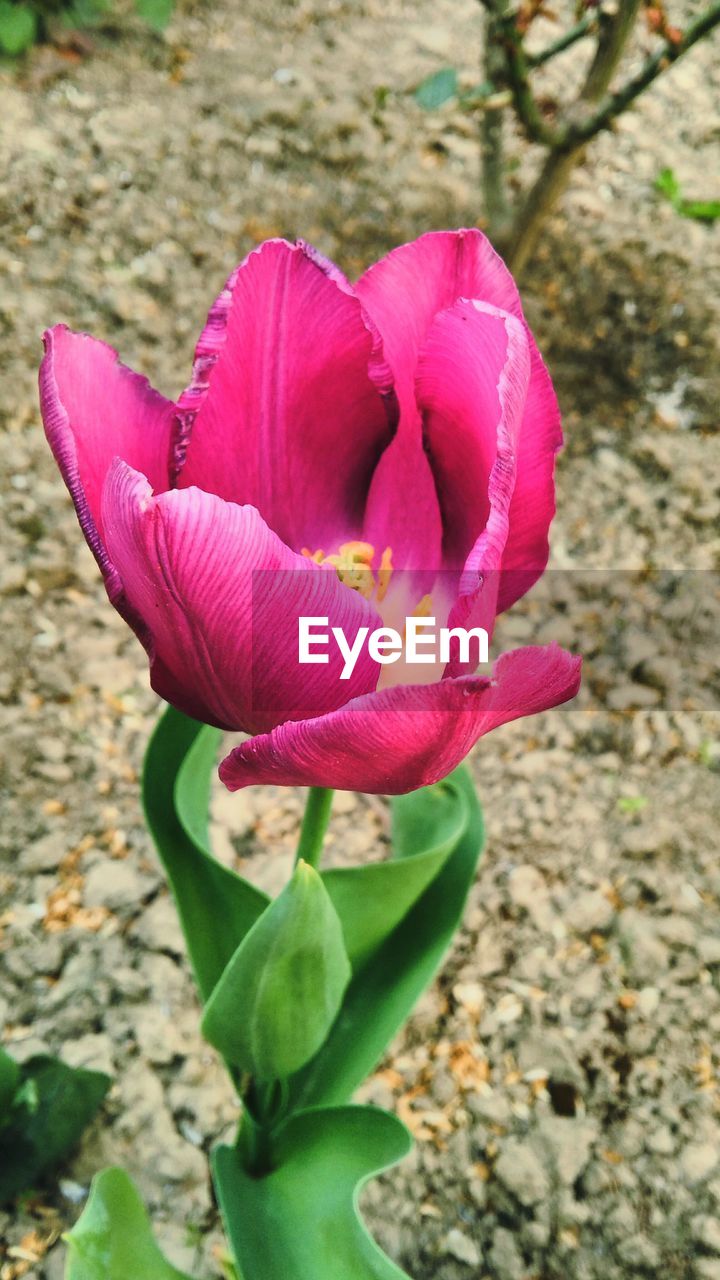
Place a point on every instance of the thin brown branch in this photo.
(518, 77)
(570, 37)
(611, 106)
(497, 209)
(614, 31)
(560, 161)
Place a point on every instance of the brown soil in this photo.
(562, 1076)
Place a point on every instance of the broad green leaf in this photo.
(112, 1239)
(157, 13)
(301, 1221)
(382, 993)
(18, 27)
(216, 906)
(9, 1084)
(281, 992)
(52, 1106)
(372, 900)
(437, 89)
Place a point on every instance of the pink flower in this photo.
(406, 423)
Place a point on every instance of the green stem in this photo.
(264, 1108)
(314, 825)
(254, 1145)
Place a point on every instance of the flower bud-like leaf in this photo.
(279, 995)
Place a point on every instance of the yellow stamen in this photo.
(384, 574)
(423, 609)
(353, 564)
(361, 552)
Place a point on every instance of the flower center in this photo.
(353, 563)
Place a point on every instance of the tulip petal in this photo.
(405, 737)
(403, 293)
(221, 595)
(471, 385)
(95, 409)
(402, 511)
(291, 404)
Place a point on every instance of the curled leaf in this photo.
(302, 1220)
(113, 1239)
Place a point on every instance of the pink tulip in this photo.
(406, 423)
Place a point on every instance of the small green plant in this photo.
(18, 27)
(709, 754)
(701, 210)
(44, 1108)
(25, 22)
(632, 804)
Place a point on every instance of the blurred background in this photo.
(562, 1078)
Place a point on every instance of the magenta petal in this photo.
(408, 736)
(402, 508)
(221, 595)
(288, 408)
(533, 503)
(471, 386)
(403, 293)
(95, 409)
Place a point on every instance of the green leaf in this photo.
(9, 1084)
(302, 1220)
(632, 804)
(113, 1239)
(52, 1106)
(18, 27)
(157, 13)
(216, 906)
(478, 94)
(383, 991)
(437, 89)
(667, 184)
(278, 997)
(372, 900)
(701, 210)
